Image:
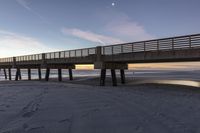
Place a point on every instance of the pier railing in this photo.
(29, 57)
(174, 43)
(10, 59)
(71, 53)
(164, 44)
(53, 55)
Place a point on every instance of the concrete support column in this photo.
(70, 74)
(103, 77)
(59, 74)
(29, 74)
(47, 74)
(122, 74)
(20, 75)
(17, 74)
(39, 74)
(5, 74)
(98, 54)
(9, 74)
(114, 79)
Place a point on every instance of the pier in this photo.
(112, 57)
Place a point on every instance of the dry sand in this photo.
(52, 107)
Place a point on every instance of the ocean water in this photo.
(135, 74)
(53, 73)
(76, 73)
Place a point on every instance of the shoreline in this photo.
(130, 81)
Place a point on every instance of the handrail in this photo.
(173, 43)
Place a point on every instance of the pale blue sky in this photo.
(32, 26)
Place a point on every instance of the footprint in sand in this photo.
(28, 128)
(68, 119)
(28, 114)
(91, 111)
(5, 105)
(25, 126)
(36, 128)
(65, 120)
(138, 129)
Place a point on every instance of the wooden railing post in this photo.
(172, 43)
(88, 52)
(190, 42)
(14, 61)
(158, 47)
(112, 50)
(43, 63)
(75, 53)
(133, 47)
(43, 56)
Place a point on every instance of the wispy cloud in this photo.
(118, 28)
(90, 36)
(13, 44)
(26, 4)
(120, 25)
(128, 30)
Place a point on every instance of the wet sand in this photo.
(53, 107)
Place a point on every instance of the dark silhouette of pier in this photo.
(113, 57)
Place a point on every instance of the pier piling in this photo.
(20, 75)
(17, 74)
(39, 74)
(5, 73)
(103, 77)
(59, 74)
(29, 74)
(9, 74)
(70, 74)
(47, 74)
(114, 79)
(122, 74)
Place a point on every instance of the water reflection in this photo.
(171, 82)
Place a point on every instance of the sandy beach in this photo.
(99, 66)
(53, 107)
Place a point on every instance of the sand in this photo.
(52, 107)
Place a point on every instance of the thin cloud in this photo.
(119, 27)
(25, 4)
(122, 26)
(13, 44)
(128, 30)
(90, 36)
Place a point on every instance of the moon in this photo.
(113, 4)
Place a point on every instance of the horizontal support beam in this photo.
(104, 65)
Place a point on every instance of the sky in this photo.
(35, 26)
